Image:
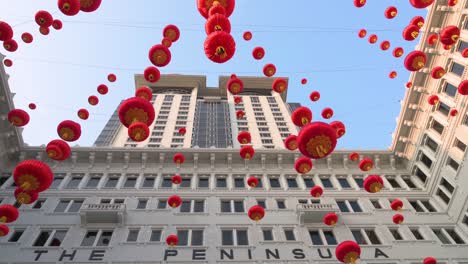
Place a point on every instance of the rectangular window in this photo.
(15, 236)
(133, 235)
(457, 69)
(447, 185)
(166, 182)
(292, 183)
(267, 234)
(396, 234)
(57, 181)
(343, 182)
(162, 204)
(148, 181)
(130, 182)
(409, 182)
(450, 89)
(376, 204)
(428, 206)
(359, 181)
(221, 182)
(416, 233)
(289, 234)
(74, 182)
(443, 196)
(275, 183)
(281, 204)
(261, 203)
(315, 237)
(322, 237)
(443, 108)
(330, 237)
(93, 182)
(430, 143)
(425, 160)
(155, 235)
(142, 203)
(460, 145)
(39, 203)
(355, 206)
(68, 206)
(239, 182)
(50, 238)
(393, 182)
(309, 182)
(112, 182)
(186, 182)
(227, 238)
(203, 182)
(452, 164)
(438, 127)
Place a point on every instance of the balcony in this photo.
(102, 214)
(314, 213)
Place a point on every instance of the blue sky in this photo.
(303, 38)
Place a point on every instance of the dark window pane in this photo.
(396, 234)
(39, 203)
(56, 182)
(292, 183)
(359, 182)
(185, 182)
(443, 108)
(309, 182)
(358, 237)
(227, 239)
(93, 182)
(393, 182)
(112, 182)
(281, 204)
(239, 183)
(443, 196)
(89, 239)
(75, 206)
(42, 239)
(315, 237)
(274, 183)
(142, 203)
(166, 183)
(447, 185)
(289, 234)
(185, 206)
(457, 69)
(343, 207)
(238, 206)
(148, 182)
(242, 239)
(183, 237)
(203, 182)
(132, 235)
(225, 206)
(130, 182)
(409, 182)
(62, 206)
(155, 235)
(199, 206)
(330, 237)
(221, 182)
(450, 89)
(57, 239)
(355, 206)
(376, 204)
(416, 206)
(16, 236)
(417, 234)
(105, 238)
(374, 239)
(429, 206)
(261, 203)
(74, 182)
(344, 182)
(197, 237)
(441, 236)
(455, 236)
(267, 234)
(326, 183)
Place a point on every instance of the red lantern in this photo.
(247, 152)
(159, 55)
(172, 240)
(8, 62)
(417, 21)
(348, 252)
(339, 127)
(452, 3)
(314, 96)
(58, 150)
(366, 164)
(8, 213)
(235, 85)
(205, 5)
(303, 165)
(44, 31)
(433, 99)
(152, 74)
(279, 85)
(256, 213)
(43, 18)
(327, 113)
(33, 175)
(464, 53)
(182, 131)
(373, 39)
(93, 100)
(27, 37)
(258, 53)
(176, 179)
(449, 35)
(57, 24)
(244, 137)
(316, 191)
(317, 140)
(69, 130)
(172, 32)
(430, 260)
(237, 99)
(103, 89)
(396, 205)
(4, 230)
(18, 117)
(432, 39)
(166, 42)
(391, 12)
(398, 219)
(354, 156)
(421, 3)
(409, 85)
(301, 116)
(291, 142)
(220, 47)
(174, 201)
(359, 3)
(10, 45)
(398, 52)
(247, 35)
(25, 197)
(83, 114)
(415, 60)
(32, 106)
(111, 77)
(437, 72)
(447, 47)
(269, 70)
(330, 219)
(217, 9)
(138, 131)
(392, 74)
(411, 32)
(362, 33)
(252, 181)
(136, 110)
(373, 183)
(144, 92)
(6, 32)
(178, 158)
(69, 7)
(385, 45)
(89, 5)
(217, 22)
(240, 114)
(304, 81)
(453, 112)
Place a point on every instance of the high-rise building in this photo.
(108, 203)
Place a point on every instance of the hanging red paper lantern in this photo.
(417, 21)
(83, 114)
(447, 47)
(240, 114)
(32, 106)
(366, 164)
(385, 45)
(44, 31)
(304, 81)
(93, 100)
(301, 116)
(373, 183)
(152, 74)
(291, 142)
(182, 131)
(247, 35)
(429, 260)
(217, 22)
(8, 213)
(398, 219)
(421, 3)
(437, 72)
(204, 6)
(415, 60)
(237, 100)
(258, 53)
(69, 7)
(449, 35)
(317, 140)
(8, 62)
(18, 117)
(464, 53)
(103, 89)
(235, 85)
(178, 158)
(159, 55)
(330, 219)
(89, 5)
(452, 2)
(27, 37)
(111, 77)
(144, 92)
(220, 47)
(10, 45)
(58, 150)
(391, 12)
(339, 127)
(279, 85)
(25, 197)
(327, 113)
(354, 156)
(172, 32)
(43, 18)
(409, 85)
(410, 32)
(433, 99)
(359, 3)
(373, 39)
(316, 191)
(246, 152)
(166, 42)
(453, 112)
(174, 201)
(138, 131)
(244, 137)
(398, 52)
(303, 165)
(172, 240)
(176, 179)
(33, 175)
(396, 205)
(269, 70)
(392, 74)
(256, 213)
(348, 252)
(57, 24)
(362, 33)
(6, 32)
(69, 131)
(314, 96)
(136, 109)
(432, 39)
(217, 9)
(4, 230)
(252, 181)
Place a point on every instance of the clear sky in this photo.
(303, 38)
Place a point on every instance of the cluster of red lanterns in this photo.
(137, 114)
(44, 20)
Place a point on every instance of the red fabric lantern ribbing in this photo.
(166, 42)
(392, 75)
(33, 175)
(421, 3)
(89, 5)
(43, 18)
(6, 32)
(409, 85)
(83, 114)
(58, 150)
(8, 62)
(314, 96)
(415, 60)
(447, 47)
(18, 117)
(339, 127)
(247, 35)
(252, 181)
(449, 35)
(69, 131)
(373, 39)
(144, 92)
(291, 142)
(348, 252)
(111, 77)
(359, 3)
(410, 32)
(437, 72)
(69, 7)
(57, 24)
(279, 85)
(327, 113)
(396, 205)
(362, 33)
(93, 100)
(102, 89)
(354, 156)
(25, 197)
(240, 114)
(8, 213)
(217, 9)
(330, 219)
(237, 99)
(10, 45)
(204, 6)
(244, 137)
(316, 191)
(159, 55)
(4, 230)
(398, 52)
(301, 116)
(452, 2)
(27, 37)
(235, 85)
(136, 110)
(32, 106)
(417, 21)
(152, 74)
(269, 70)
(44, 31)
(432, 39)
(304, 81)
(464, 53)
(178, 158)
(174, 201)
(172, 32)
(172, 240)
(256, 213)
(366, 164)
(182, 131)
(258, 53)
(433, 99)
(385, 45)
(373, 183)
(453, 112)
(176, 179)
(398, 219)
(247, 152)
(219, 46)
(317, 140)
(391, 12)
(429, 260)
(303, 165)
(217, 22)
(138, 131)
